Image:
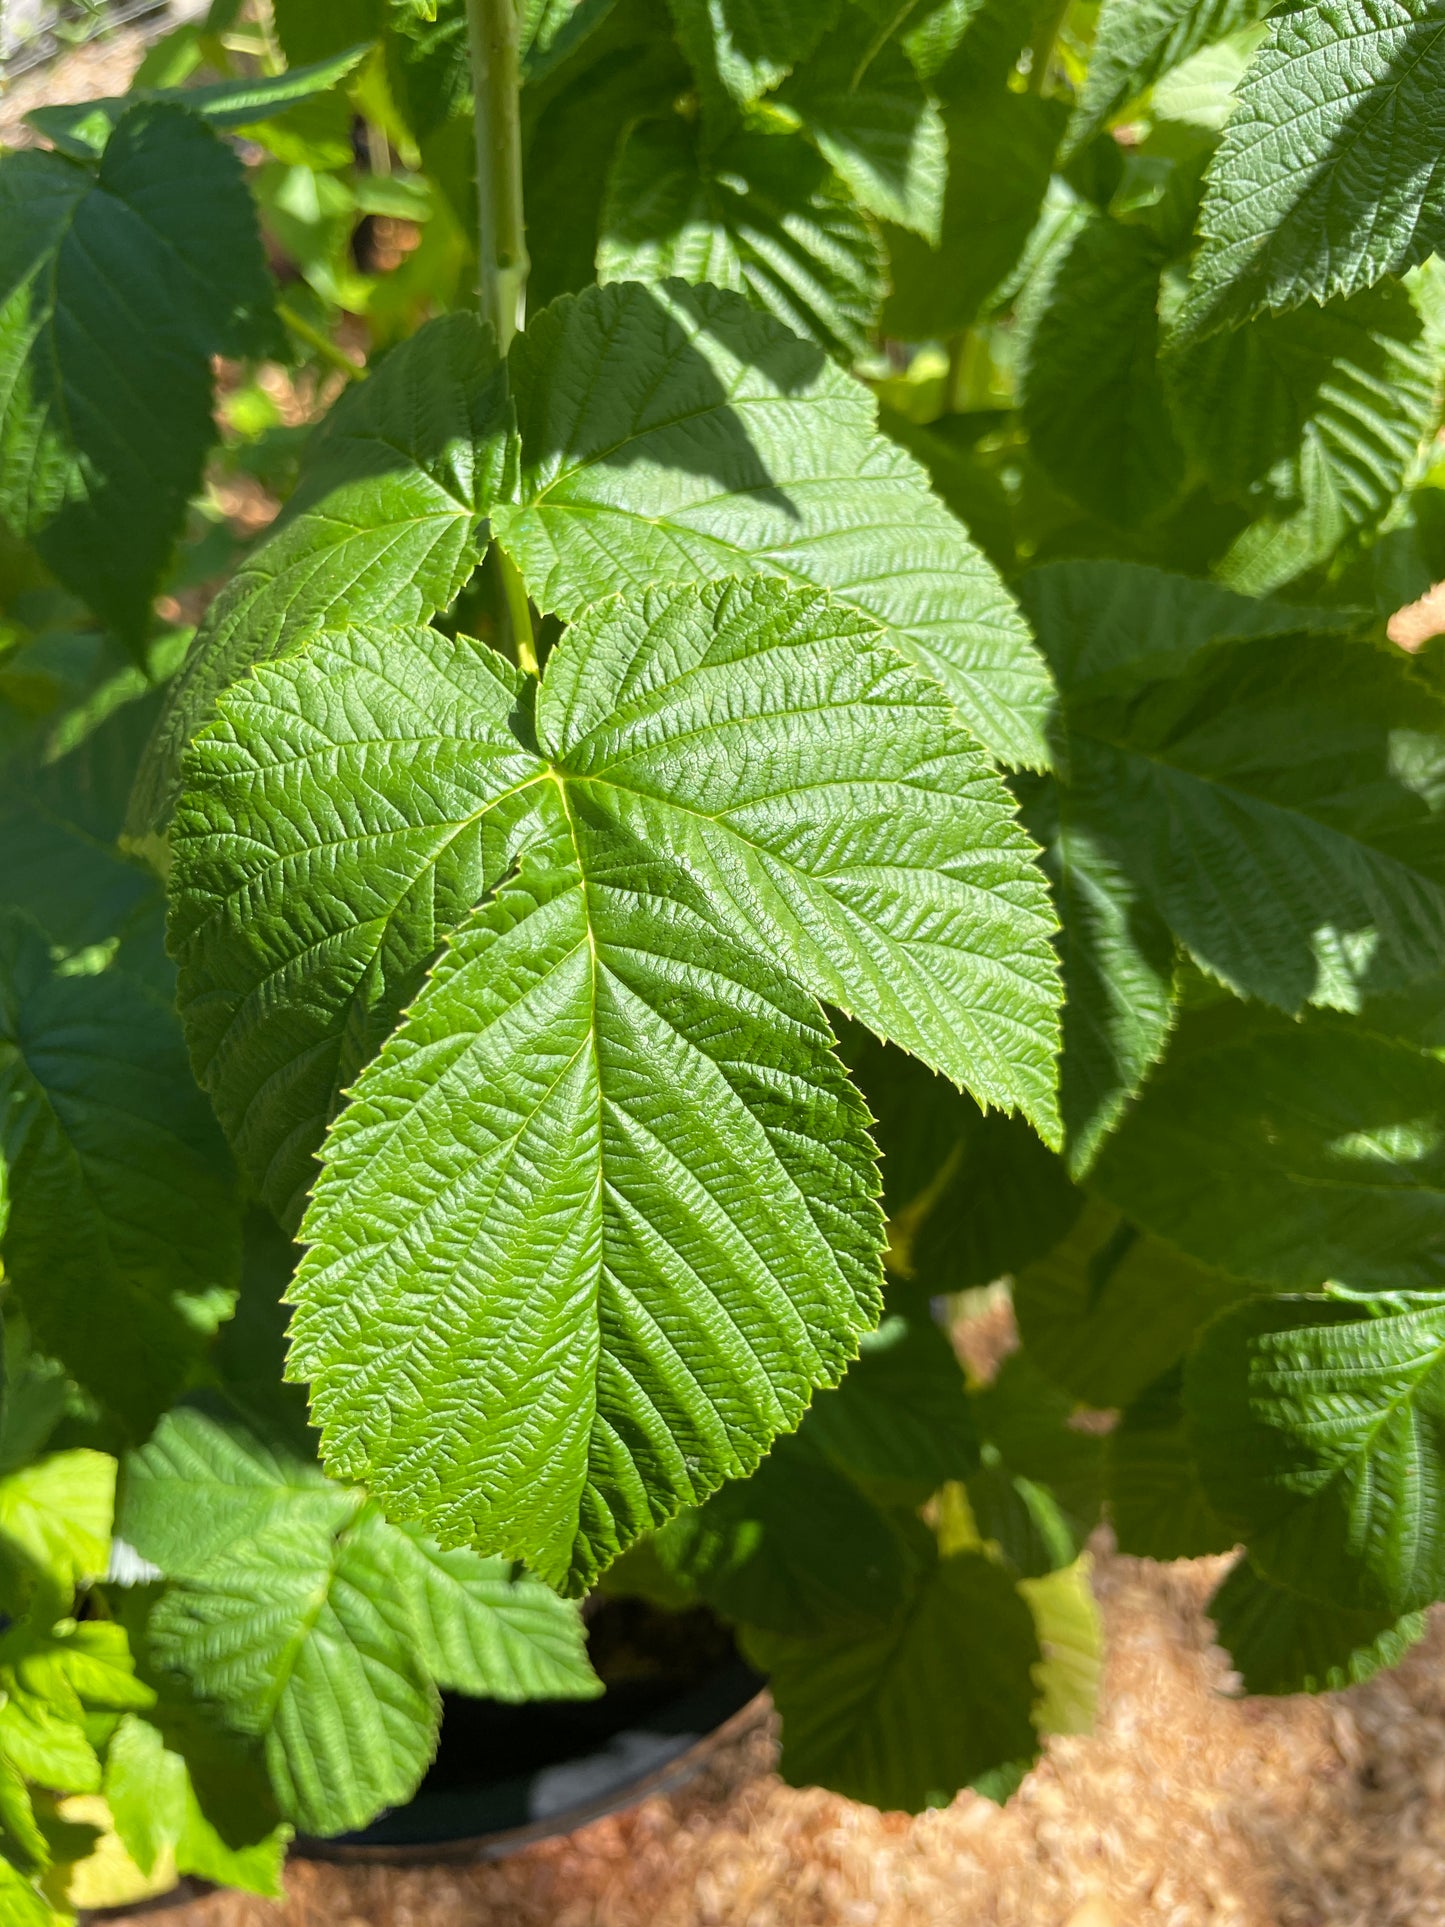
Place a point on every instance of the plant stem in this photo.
(501, 230)
(1042, 46)
(519, 610)
(323, 344)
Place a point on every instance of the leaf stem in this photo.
(322, 343)
(501, 227)
(519, 610)
(1042, 46)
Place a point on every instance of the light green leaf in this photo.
(758, 212)
(1093, 400)
(1312, 420)
(907, 1714)
(745, 47)
(1000, 156)
(1320, 1436)
(1157, 1505)
(486, 1628)
(1109, 1309)
(145, 1787)
(1070, 1629)
(1309, 876)
(23, 1905)
(588, 997)
(123, 1229)
(1290, 1154)
(691, 437)
(55, 1518)
(872, 119)
(154, 253)
(82, 130)
(1138, 41)
(1282, 1643)
(1330, 172)
(383, 525)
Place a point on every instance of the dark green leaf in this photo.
(1282, 1643)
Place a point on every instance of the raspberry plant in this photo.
(814, 735)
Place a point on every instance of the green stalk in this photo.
(501, 229)
(1041, 47)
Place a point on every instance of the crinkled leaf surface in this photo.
(1312, 420)
(383, 525)
(1093, 400)
(118, 282)
(674, 432)
(759, 212)
(1281, 1642)
(1138, 41)
(874, 121)
(1320, 1437)
(904, 1715)
(1315, 876)
(672, 1150)
(1290, 1154)
(745, 47)
(123, 1227)
(1330, 174)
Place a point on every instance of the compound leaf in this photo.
(119, 280)
(1320, 1436)
(383, 525)
(758, 212)
(1280, 1642)
(1330, 173)
(674, 432)
(123, 1227)
(1290, 1154)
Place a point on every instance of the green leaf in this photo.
(1040, 1490)
(794, 1549)
(901, 1415)
(1320, 1431)
(905, 1715)
(1282, 1643)
(1290, 1154)
(55, 1518)
(759, 212)
(745, 47)
(82, 130)
(871, 118)
(123, 1231)
(1093, 400)
(1135, 44)
(673, 432)
(383, 525)
(1000, 156)
(23, 1904)
(50, 1679)
(1157, 1505)
(145, 1787)
(299, 1638)
(486, 1628)
(118, 283)
(1311, 420)
(1308, 875)
(606, 951)
(1110, 1309)
(1329, 175)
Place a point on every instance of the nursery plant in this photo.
(814, 749)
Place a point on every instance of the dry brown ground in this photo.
(1186, 1808)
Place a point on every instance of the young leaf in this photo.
(668, 886)
(1290, 1154)
(1312, 420)
(759, 212)
(872, 119)
(1312, 878)
(1109, 1309)
(123, 1227)
(674, 432)
(118, 282)
(383, 525)
(1093, 401)
(1135, 44)
(1280, 1642)
(1000, 156)
(905, 1715)
(55, 1518)
(485, 1628)
(1330, 173)
(1320, 1436)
